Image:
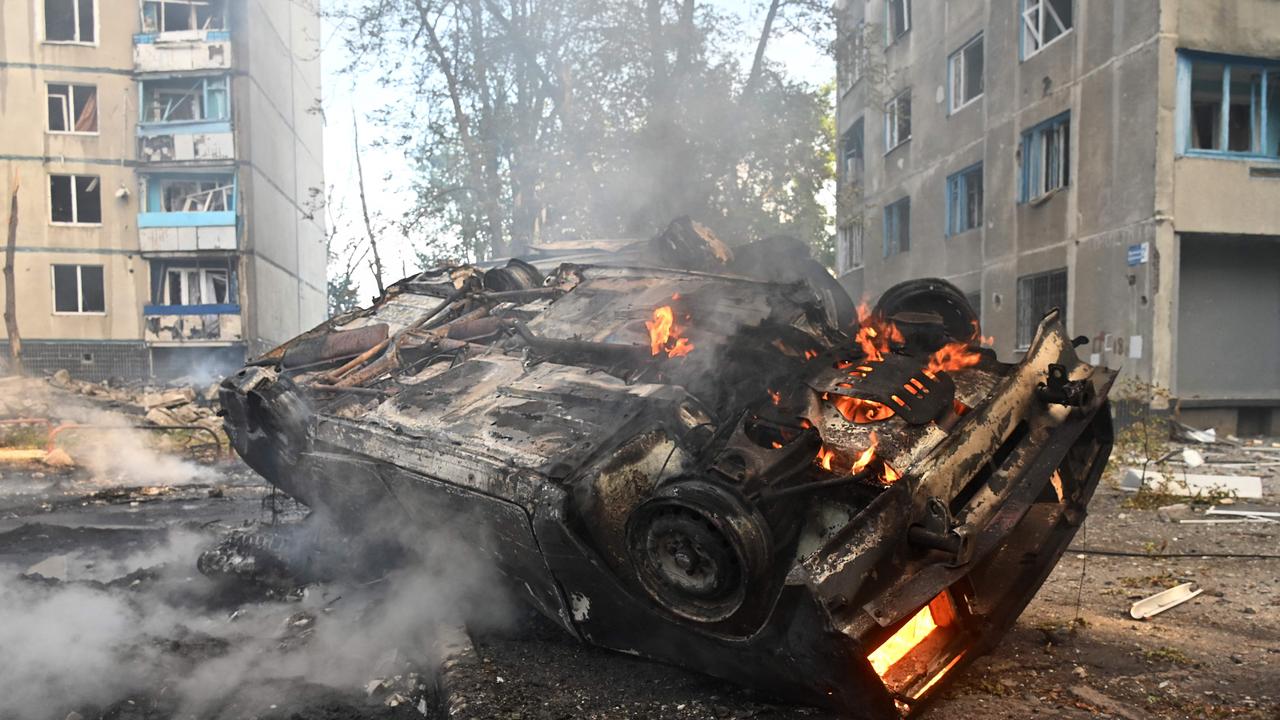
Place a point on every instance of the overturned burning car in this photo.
(702, 456)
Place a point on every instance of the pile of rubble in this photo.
(160, 406)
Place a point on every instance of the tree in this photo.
(527, 120)
(10, 292)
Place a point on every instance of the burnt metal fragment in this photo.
(711, 465)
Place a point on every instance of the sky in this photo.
(348, 99)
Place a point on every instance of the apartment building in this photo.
(168, 164)
(1118, 160)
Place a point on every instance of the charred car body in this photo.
(723, 466)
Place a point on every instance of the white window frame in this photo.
(75, 17)
(854, 48)
(892, 109)
(53, 290)
(203, 279)
(850, 239)
(956, 75)
(75, 209)
(68, 108)
(890, 36)
(1035, 31)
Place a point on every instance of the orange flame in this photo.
(665, 335)
(825, 457)
(875, 334)
(953, 356)
(857, 410)
(775, 397)
(865, 458)
(918, 628)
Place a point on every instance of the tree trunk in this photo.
(364, 207)
(757, 64)
(10, 293)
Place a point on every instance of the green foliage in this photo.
(539, 121)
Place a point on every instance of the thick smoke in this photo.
(79, 643)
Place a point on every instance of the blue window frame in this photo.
(965, 75)
(1228, 106)
(184, 100)
(964, 200)
(897, 227)
(1046, 158)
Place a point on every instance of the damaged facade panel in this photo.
(188, 212)
(182, 36)
(726, 466)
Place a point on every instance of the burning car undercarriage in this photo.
(703, 458)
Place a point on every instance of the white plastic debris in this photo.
(1237, 486)
(1161, 601)
(1192, 457)
(54, 568)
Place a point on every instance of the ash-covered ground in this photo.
(104, 615)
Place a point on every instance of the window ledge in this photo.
(1047, 45)
(72, 133)
(81, 43)
(1225, 155)
(895, 147)
(55, 223)
(956, 110)
(70, 313)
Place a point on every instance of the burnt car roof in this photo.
(724, 468)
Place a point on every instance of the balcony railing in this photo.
(182, 51)
(192, 324)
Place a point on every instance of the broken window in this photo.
(897, 121)
(180, 15)
(1044, 21)
(964, 200)
(196, 196)
(1046, 157)
(852, 151)
(195, 286)
(69, 21)
(1231, 106)
(1037, 295)
(965, 69)
(73, 108)
(849, 246)
(75, 199)
(78, 289)
(852, 57)
(898, 18)
(185, 99)
(897, 227)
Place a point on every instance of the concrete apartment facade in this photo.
(169, 163)
(1120, 160)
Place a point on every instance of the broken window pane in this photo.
(61, 199)
(174, 282)
(66, 289)
(58, 115)
(84, 106)
(88, 199)
(897, 227)
(217, 286)
(92, 292)
(1240, 127)
(1044, 21)
(897, 118)
(853, 144)
(196, 195)
(1206, 105)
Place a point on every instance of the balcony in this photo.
(182, 51)
(192, 324)
(187, 213)
(186, 142)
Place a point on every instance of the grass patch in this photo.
(1168, 655)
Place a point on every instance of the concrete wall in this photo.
(29, 155)
(280, 144)
(1102, 72)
